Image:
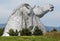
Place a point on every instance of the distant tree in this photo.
(25, 32)
(54, 29)
(1, 31)
(47, 31)
(37, 31)
(12, 33)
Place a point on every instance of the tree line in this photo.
(25, 32)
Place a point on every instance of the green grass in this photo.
(30, 38)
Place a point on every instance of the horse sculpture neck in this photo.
(44, 11)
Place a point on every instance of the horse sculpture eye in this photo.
(27, 7)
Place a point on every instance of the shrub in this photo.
(37, 31)
(12, 33)
(1, 31)
(54, 30)
(25, 32)
(16, 33)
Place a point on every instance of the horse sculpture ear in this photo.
(50, 4)
(34, 6)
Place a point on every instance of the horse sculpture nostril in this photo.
(52, 10)
(52, 7)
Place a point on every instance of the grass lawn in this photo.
(30, 38)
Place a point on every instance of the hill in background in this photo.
(48, 28)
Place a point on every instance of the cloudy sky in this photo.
(50, 19)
